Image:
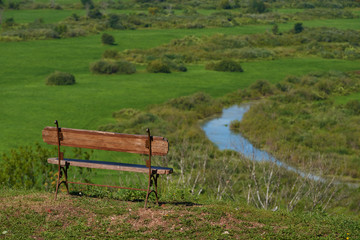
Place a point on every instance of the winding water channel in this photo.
(218, 131)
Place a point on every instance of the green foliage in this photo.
(95, 14)
(104, 67)
(14, 5)
(87, 4)
(263, 87)
(158, 66)
(110, 67)
(226, 65)
(114, 21)
(27, 168)
(353, 106)
(298, 28)
(9, 22)
(111, 54)
(107, 39)
(61, 29)
(60, 78)
(257, 6)
(275, 29)
(225, 4)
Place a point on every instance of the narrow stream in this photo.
(218, 131)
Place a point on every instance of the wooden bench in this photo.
(140, 144)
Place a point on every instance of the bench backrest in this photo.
(106, 141)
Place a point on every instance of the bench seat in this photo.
(110, 165)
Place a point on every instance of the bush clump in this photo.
(110, 67)
(107, 39)
(226, 65)
(158, 66)
(262, 86)
(111, 54)
(354, 106)
(60, 78)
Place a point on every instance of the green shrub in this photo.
(262, 86)
(110, 67)
(158, 66)
(298, 28)
(104, 67)
(225, 4)
(257, 6)
(111, 54)
(27, 168)
(126, 67)
(353, 106)
(226, 65)
(95, 14)
(107, 39)
(60, 78)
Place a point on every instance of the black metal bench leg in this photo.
(60, 174)
(65, 173)
(152, 179)
(155, 177)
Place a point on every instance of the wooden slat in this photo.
(106, 141)
(110, 165)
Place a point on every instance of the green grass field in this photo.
(27, 104)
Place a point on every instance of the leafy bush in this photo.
(104, 67)
(298, 28)
(110, 67)
(60, 78)
(126, 67)
(226, 65)
(158, 66)
(257, 6)
(262, 86)
(353, 106)
(107, 39)
(27, 168)
(95, 14)
(111, 54)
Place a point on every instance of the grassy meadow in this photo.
(28, 104)
(198, 200)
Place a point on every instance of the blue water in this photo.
(218, 131)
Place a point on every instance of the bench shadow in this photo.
(150, 202)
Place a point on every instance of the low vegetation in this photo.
(158, 15)
(226, 65)
(32, 214)
(107, 39)
(158, 66)
(111, 67)
(60, 78)
(302, 124)
(322, 42)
